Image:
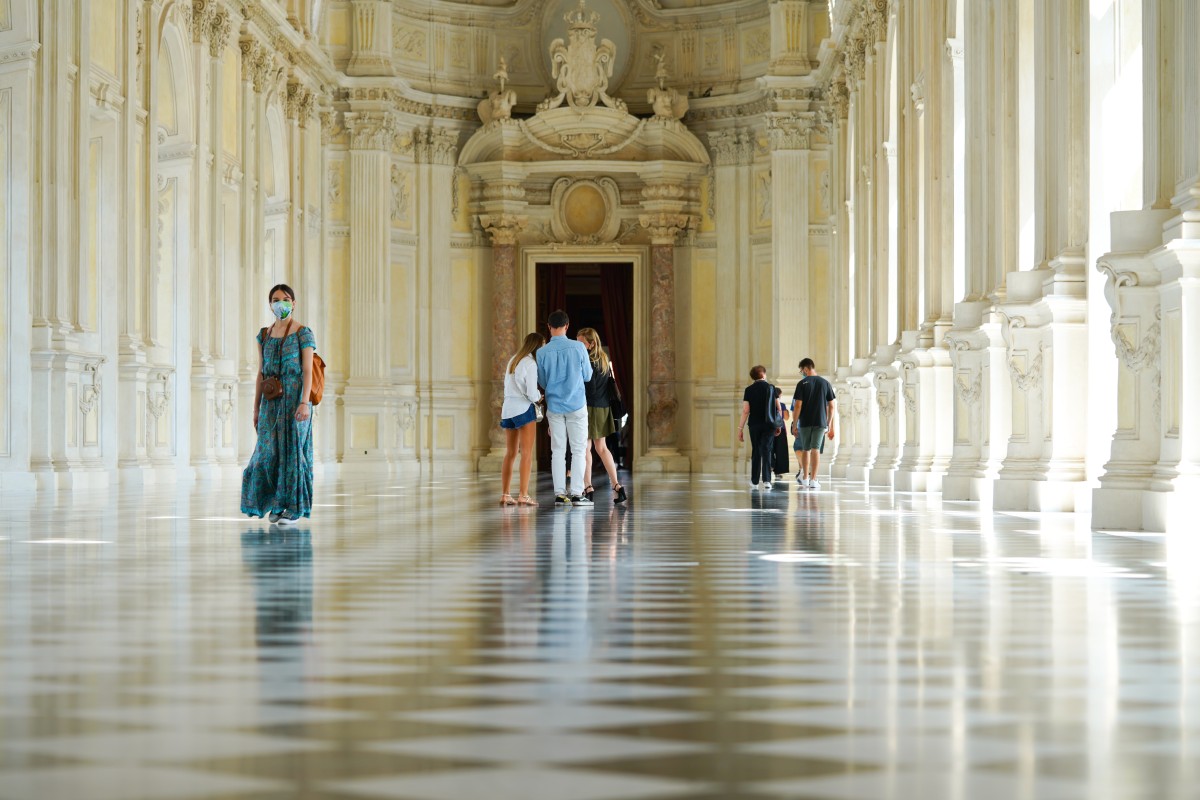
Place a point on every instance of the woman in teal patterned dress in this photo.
(279, 478)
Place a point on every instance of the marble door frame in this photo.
(637, 255)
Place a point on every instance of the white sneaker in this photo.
(274, 518)
(754, 487)
(766, 487)
(814, 485)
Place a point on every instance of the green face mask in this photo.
(282, 309)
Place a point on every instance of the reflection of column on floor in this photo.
(660, 418)
(504, 229)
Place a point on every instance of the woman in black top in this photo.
(599, 390)
(780, 449)
(756, 401)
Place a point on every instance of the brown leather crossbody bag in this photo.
(272, 387)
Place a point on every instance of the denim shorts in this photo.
(521, 420)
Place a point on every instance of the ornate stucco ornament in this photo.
(667, 103)
(582, 68)
(499, 104)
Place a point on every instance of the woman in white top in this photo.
(518, 418)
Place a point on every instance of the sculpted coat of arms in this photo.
(583, 67)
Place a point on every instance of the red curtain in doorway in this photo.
(556, 291)
(614, 284)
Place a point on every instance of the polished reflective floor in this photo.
(414, 641)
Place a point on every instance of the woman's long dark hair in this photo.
(282, 287)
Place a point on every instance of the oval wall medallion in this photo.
(584, 211)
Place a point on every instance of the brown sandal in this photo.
(507, 500)
(526, 500)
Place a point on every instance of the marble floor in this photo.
(416, 642)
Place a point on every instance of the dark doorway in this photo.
(596, 296)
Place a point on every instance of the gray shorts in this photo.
(810, 439)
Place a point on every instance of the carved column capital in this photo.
(299, 103)
(504, 228)
(731, 147)
(211, 23)
(790, 130)
(258, 64)
(370, 130)
(331, 127)
(436, 146)
(665, 227)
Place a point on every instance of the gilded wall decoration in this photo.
(756, 45)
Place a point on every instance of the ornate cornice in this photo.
(398, 101)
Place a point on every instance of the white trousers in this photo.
(563, 427)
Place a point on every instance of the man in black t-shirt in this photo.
(813, 422)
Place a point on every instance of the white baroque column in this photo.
(893, 420)
(21, 97)
(982, 420)
(1133, 293)
(732, 154)
(366, 397)
(793, 336)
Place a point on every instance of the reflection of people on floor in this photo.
(280, 563)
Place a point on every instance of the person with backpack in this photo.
(761, 411)
(278, 481)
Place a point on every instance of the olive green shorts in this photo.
(810, 439)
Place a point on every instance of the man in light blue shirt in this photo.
(563, 368)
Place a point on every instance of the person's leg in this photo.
(755, 453)
(587, 466)
(765, 450)
(558, 451)
(576, 423)
(605, 456)
(527, 439)
(510, 455)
